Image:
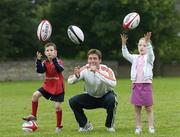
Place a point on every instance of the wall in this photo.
(25, 70)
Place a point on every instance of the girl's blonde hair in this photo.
(144, 39)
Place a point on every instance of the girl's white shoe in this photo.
(151, 130)
(138, 131)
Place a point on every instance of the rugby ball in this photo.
(131, 20)
(44, 30)
(29, 126)
(75, 34)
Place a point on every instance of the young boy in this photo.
(53, 86)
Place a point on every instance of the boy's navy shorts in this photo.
(47, 95)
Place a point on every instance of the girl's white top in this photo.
(148, 62)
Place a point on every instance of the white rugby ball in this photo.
(29, 126)
(44, 30)
(75, 34)
(131, 20)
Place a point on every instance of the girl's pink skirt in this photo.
(142, 94)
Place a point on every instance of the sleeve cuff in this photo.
(149, 45)
(38, 60)
(54, 60)
(124, 46)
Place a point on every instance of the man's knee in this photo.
(112, 102)
(72, 102)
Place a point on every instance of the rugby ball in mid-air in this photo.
(75, 34)
(131, 20)
(44, 30)
(29, 126)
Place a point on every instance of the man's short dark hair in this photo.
(95, 51)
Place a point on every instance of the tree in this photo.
(100, 20)
(163, 20)
(17, 29)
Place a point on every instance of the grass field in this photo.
(15, 102)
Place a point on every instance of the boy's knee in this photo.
(35, 96)
(58, 108)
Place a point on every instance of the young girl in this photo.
(53, 86)
(141, 76)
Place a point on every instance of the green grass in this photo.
(15, 102)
